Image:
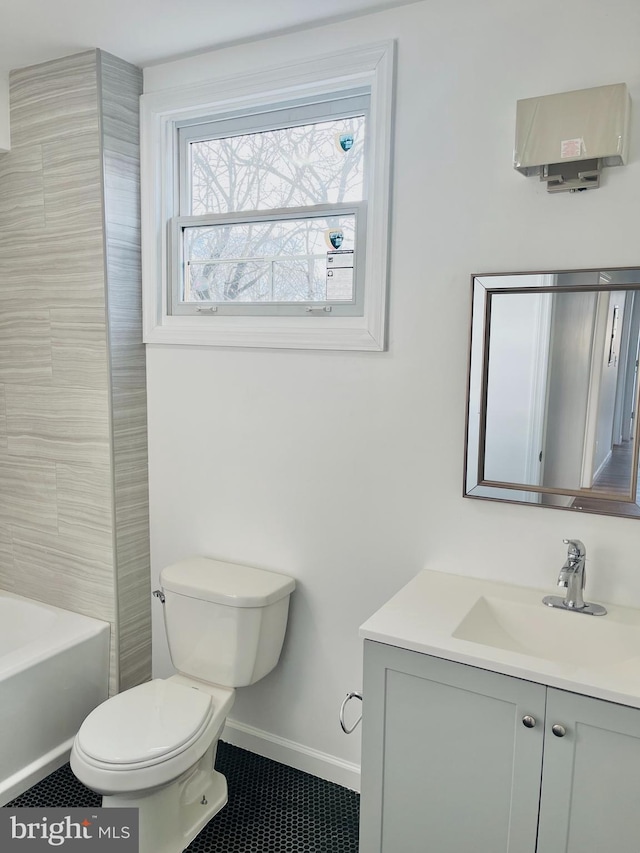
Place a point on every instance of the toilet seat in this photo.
(148, 735)
(145, 725)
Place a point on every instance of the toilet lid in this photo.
(146, 724)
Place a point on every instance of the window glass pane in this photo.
(290, 167)
(289, 260)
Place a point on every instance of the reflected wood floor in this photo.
(614, 477)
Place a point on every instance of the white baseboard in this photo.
(293, 754)
(604, 462)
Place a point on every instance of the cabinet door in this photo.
(590, 798)
(448, 765)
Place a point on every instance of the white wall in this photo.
(608, 383)
(568, 396)
(345, 470)
(516, 344)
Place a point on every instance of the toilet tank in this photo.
(225, 622)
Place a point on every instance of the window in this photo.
(272, 212)
(269, 227)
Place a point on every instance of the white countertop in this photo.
(425, 614)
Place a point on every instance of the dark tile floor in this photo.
(272, 808)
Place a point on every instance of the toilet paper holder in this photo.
(353, 695)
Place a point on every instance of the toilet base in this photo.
(172, 816)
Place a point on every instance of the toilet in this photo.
(153, 747)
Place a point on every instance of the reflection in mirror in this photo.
(553, 390)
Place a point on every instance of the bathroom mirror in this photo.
(553, 390)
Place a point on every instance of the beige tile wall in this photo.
(120, 88)
(73, 475)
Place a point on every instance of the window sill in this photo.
(345, 333)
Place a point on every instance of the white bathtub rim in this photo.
(69, 629)
(47, 687)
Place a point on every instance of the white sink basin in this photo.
(540, 631)
(507, 629)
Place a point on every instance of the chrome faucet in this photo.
(572, 577)
(572, 574)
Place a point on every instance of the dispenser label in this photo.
(32, 830)
(571, 148)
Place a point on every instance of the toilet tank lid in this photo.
(225, 583)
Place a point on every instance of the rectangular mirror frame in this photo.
(475, 484)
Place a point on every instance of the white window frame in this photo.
(162, 112)
(334, 107)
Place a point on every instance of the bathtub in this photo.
(54, 669)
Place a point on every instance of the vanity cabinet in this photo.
(458, 759)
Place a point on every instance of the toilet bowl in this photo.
(153, 746)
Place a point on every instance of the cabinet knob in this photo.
(558, 730)
(528, 721)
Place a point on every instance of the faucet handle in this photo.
(576, 548)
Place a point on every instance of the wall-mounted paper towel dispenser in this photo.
(567, 138)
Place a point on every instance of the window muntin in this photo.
(272, 211)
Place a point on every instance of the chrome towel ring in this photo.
(353, 695)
